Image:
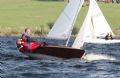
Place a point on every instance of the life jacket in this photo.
(22, 46)
(25, 38)
(28, 45)
(30, 48)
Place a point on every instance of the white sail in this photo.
(101, 26)
(85, 31)
(64, 24)
(94, 25)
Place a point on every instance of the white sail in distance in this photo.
(64, 24)
(101, 26)
(94, 25)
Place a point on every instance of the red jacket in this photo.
(34, 45)
(31, 47)
(27, 45)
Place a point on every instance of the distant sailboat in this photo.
(94, 28)
(62, 30)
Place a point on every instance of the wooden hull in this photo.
(57, 51)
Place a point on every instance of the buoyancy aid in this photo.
(22, 46)
(25, 38)
(29, 48)
(25, 45)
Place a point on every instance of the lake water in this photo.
(102, 61)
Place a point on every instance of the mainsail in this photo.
(64, 24)
(94, 25)
(101, 26)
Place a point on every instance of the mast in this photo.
(74, 22)
(69, 37)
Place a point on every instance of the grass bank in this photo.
(16, 15)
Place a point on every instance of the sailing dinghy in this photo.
(94, 28)
(62, 30)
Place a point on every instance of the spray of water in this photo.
(92, 57)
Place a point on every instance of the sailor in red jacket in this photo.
(26, 44)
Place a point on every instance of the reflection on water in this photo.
(14, 65)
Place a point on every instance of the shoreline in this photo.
(40, 33)
(38, 36)
(18, 35)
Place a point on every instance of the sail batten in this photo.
(62, 27)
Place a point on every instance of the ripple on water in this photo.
(14, 65)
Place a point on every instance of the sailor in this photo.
(22, 46)
(109, 36)
(26, 44)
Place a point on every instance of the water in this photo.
(102, 61)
